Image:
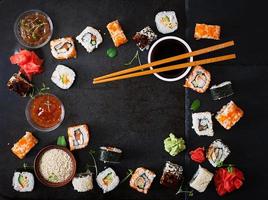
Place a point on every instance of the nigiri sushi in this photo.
(204, 31)
(63, 77)
(63, 48)
(116, 33)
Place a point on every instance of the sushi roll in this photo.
(166, 22)
(63, 77)
(198, 80)
(24, 145)
(110, 154)
(141, 180)
(116, 33)
(19, 85)
(172, 175)
(202, 123)
(201, 179)
(78, 136)
(144, 38)
(90, 38)
(107, 180)
(217, 152)
(222, 90)
(83, 182)
(229, 115)
(63, 48)
(23, 181)
(204, 31)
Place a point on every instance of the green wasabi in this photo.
(174, 145)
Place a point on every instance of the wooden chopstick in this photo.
(169, 68)
(167, 60)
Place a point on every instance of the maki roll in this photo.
(201, 179)
(63, 77)
(141, 180)
(83, 182)
(90, 38)
(222, 90)
(63, 48)
(202, 123)
(110, 154)
(19, 85)
(166, 22)
(78, 136)
(144, 38)
(229, 115)
(198, 80)
(23, 181)
(116, 33)
(204, 31)
(172, 175)
(217, 152)
(107, 180)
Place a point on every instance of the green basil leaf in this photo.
(195, 105)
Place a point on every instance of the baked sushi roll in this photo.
(78, 136)
(107, 180)
(116, 33)
(19, 85)
(229, 115)
(23, 181)
(166, 22)
(204, 31)
(110, 154)
(63, 77)
(217, 152)
(172, 175)
(222, 90)
(24, 145)
(90, 38)
(144, 38)
(83, 182)
(63, 48)
(202, 123)
(201, 179)
(198, 80)
(141, 180)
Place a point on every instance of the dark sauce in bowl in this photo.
(168, 48)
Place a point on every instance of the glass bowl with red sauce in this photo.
(33, 29)
(45, 112)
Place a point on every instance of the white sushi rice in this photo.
(63, 77)
(90, 38)
(166, 22)
(201, 179)
(202, 123)
(114, 180)
(83, 184)
(30, 182)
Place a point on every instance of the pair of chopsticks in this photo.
(127, 73)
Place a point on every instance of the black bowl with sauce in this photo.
(33, 29)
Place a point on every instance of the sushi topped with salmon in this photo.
(117, 33)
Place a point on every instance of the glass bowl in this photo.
(17, 29)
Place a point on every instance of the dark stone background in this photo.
(137, 114)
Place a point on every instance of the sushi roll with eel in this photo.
(222, 90)
(172, 175)
(63, 77)
(83, 182)
(90, 38)
(110, 154)
(78, 136)
(198, 80)
(19, 85)
(107, 180)
(166, 22)
(144, 38)
(63, 48)
(217, 152)
(202, 123)
(23, 181)
(201, 179)
(229, 115)
(141, 180)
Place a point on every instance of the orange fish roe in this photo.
(204, 31)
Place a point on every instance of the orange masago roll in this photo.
(116, 33)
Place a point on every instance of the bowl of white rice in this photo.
(55, 166)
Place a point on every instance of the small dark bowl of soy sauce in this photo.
(166, 47)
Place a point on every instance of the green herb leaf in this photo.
(61, 141)
(190, 193)
(134, 58)
(36, 91)
(128, 174)
(111, 52)
(26, 166)
(91, 153)
(195, 105)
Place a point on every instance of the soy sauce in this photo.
(168, 48)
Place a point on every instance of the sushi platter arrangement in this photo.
(170, 58)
